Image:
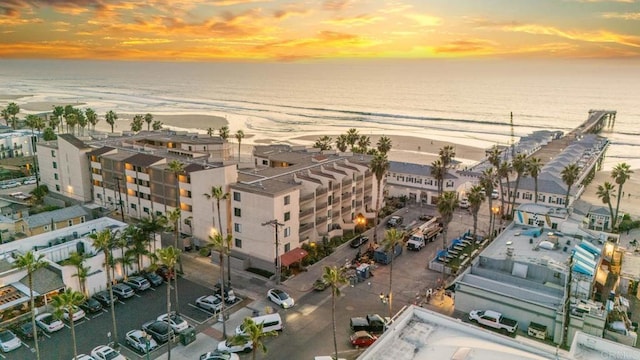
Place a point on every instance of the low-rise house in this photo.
(52, 220)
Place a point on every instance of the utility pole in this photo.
(119, 197)
(276, 224)
(567, 306)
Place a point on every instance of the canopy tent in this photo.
(292, 256)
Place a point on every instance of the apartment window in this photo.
(287, 200)
(55, 165)
(99, 196)
(58, 188)
(70, 222)
(287, 216)
(53, 153)
(237, 227)
(55, 176)
(237, 212)
(133, 206)
(82, 219)
(265, 162)
(239, 243)
(46, 228)
(236, 196)
(287, 247)
(145, 209)
(287, 233)
(158, 213)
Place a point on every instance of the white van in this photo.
(271, 322)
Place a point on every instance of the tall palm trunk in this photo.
(228, 246)
(620, 193)
(169, 313)
(33, 316)
(110, 286)
(390, 299)
(73, 333)
(333, 317)
(376, 219)
(175, 274)
(223, 303)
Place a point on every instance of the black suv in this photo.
(358, 241)
(395, 221)
(91, 305)
(159, 330)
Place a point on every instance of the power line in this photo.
(276, 224)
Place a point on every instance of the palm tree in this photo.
(152, 225)
(438, 172)
(569, 174)
(148, 118)
(239, 137)
(447, 204)
(503, 173)
(30, 121)
(494, 156)
(82, 121)
(224, 132)
(334, 277)
(110, 117)
(13, 109)
(76, 259)
(31, 263)
(620, 173)
(136, 123)
(58, 112)
(217, 243)
(5, 115)
(520, 167)
(218, 194)
(342, 143)
(534, 165)
(447, 154)
(169, 257)
(157, 125)
(352, 138)
(104, 241)
(392, 238)
(72, 121)
(174, 219)
(68, 302)
(254, 334)
(323, 143)
(605, 192)
(379, 166)
(122, 241)
(92, 117)
(487, 181)
(475, 198)
(210, 132)
(363, 144)
(384, 144)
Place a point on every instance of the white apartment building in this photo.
(416, 182)
(64, 167)
(16, 143)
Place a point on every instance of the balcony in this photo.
(321, 191)
(335, 215)
(306, 212)
(359, 177)
(321, 206)
(307, 197)
(305, 227)
(346, 196)
(321, 220)
(347, 182)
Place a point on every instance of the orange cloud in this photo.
(597, 36)
(424, 20)
(467, 47)
(354, 21)
(623, 16)
(336, 5)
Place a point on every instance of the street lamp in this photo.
(361, 222)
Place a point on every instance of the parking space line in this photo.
(26, 345)
(188, 318)
(137, 295)
(204, 311)
(121, 302)
(45, 334)
(4, 357)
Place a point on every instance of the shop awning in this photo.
(292, 256)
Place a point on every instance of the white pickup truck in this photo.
(494, 320)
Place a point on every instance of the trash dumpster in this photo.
(362, 272)
(188, 336)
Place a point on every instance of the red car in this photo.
(362, 339)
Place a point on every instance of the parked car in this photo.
(48, 323)
(362, 339)
(104, 352)
(371, 323)
(229, 294)
(166, 273)
(138, 283)
(176, 321)
(123, 291)
(464, 203)
(29, 182)
(495, 194)
(77, 314)
(9, 341)
(212, 303)
(394, 221)
(358, 241)
(159, 330)
(83, 357)
(320, 284)
(104, 298)
(494, 320)
(281, 298)
(25, 330)
(217, 355)
(9, 185)
(91, 305)
(153, 278)
(137, 340)
(229, 346)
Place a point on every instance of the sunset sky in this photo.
(307, 30)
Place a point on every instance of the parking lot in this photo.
(131, 313)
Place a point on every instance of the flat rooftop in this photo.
(421, 334)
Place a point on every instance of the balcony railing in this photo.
(321, 220)
(306, 212)
(321, 206)
(321, 191)
(307, 197)
(305, 227)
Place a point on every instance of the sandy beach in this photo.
(630, 202)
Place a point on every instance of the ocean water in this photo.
(463, 101)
